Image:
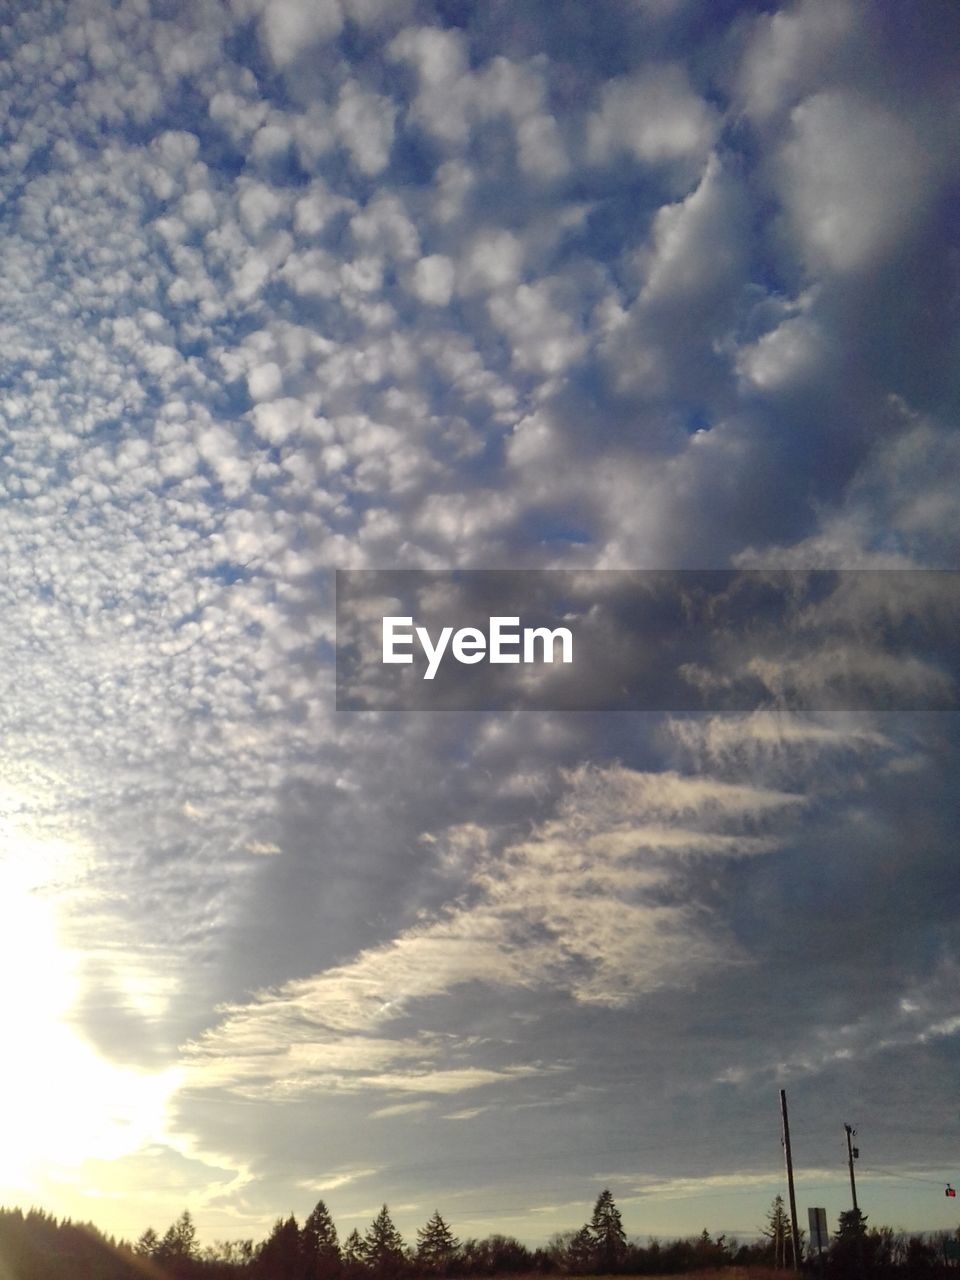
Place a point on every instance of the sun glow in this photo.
(61, 1102)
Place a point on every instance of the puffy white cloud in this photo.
(696, 243)
(451, 98)
(543, 335)
(439, 57)
(289, 27)
(854, 179)
(314, 210)
(259, 206)
(384, 225)
(792, 50)
(655, 116)
(782, 357)
(365, 126)
(198, 209)
(271, 142)
(264, 381)
(493, 259)
(432, 279)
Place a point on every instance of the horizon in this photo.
(732, 1235)
(293, 287)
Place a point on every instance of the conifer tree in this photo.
(436, 1245)
(854, 1251)
(580, 1251)
(352, 1254)
(609, 1237)
(778, 1232)
(279, 1255)
(851, 1225)
(148, 1244)
(319, 1247)
(179, 1240)
(383, 1248)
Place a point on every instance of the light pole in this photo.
(853, 1153)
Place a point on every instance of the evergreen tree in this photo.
(351, 1256)
(319, 1248)
(179, 1242)
(851, 1225)
(854, 1251)
(279, 1256)
(383, 1248)
(436, 1245)
(148, 1244)
(778, 1232)
(606, 1228)
(580, 1252)
(709, 1252)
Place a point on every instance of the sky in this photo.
(293, 286)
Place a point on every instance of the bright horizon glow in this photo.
(64, 1104)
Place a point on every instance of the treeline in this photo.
(36, 1246)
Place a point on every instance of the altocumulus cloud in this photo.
(293, 287)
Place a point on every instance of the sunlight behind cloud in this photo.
(63, 1103)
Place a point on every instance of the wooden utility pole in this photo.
(794, 1231)
(851, 1152)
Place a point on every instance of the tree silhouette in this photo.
(351, 1255)
(853, 1251)
(180, 1238)
(279, 1256)
(778, 1231)
(148, 1244)
(319, 1249)
(436, 1245)
(383, 1248)
(178, 1248)
(851, 1225)
(609, 1237)
(580, 1252)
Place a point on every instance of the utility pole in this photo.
(794, 1232)
(852, 1154)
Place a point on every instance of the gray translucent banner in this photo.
(685, 640)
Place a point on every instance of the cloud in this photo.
(432, 280)
(340, 1179)
(577, 906)
(654, 116)
(440, 60)
(855, 179)
(400, 1109)
(542, 153)
(289, 27)
(364, 124)
(792, 50)
(295, 287)
(783, 356)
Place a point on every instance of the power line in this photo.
(908, 1177)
